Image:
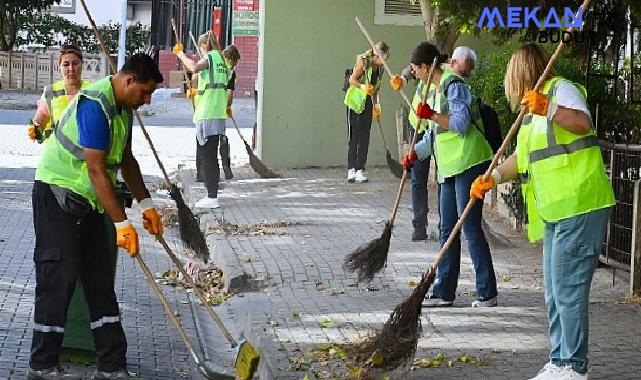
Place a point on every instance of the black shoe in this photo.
(50, 374)
(121, 374)
(228, 173)
(420, 233)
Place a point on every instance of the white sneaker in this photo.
(482, 302)
(361, 176)
(431, 301)
(567, 373)
(351, 175)
(207, 203)
(549, 371)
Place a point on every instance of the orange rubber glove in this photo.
(536, 103)
(368, 88)
(230, 114)
(192, 92)
(31, 132)
(409, 159)
(178, 48)
(376, 112)
(150, 219)
(127, 237)
(396, 82)
(34, 132)
(480, 187)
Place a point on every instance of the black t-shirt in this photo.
(231, 85)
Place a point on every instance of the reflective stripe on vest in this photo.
(456, 153)
(370, 72)
(57, 101)
(562, 173)
(211, 99)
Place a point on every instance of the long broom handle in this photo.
(173, 26)
(380, 128)
(166, 307)
(113, 69)
(513, 130)
(198, 292)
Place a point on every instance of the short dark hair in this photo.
(143, 68)
(425, 53)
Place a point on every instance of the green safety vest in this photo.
(55, 96)
(455, 153)
(418, 98)
(63, 163)
(562, 173)
(211, 100)
(367, 78)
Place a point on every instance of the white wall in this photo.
(104, 11)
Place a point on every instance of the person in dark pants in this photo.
(232, 56)
(462, 153)
(210, 113)
(74, 186)
(367, 74)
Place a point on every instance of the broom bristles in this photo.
(395, 344)
(394, 166)
(370, 258)
(259, 167)
(189, 228)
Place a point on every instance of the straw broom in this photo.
(189, 228)
(256, 164)
(370, 258)
(395, 344)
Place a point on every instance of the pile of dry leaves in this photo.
(209, 281)
(263, 228)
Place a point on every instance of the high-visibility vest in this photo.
(211, 100)
(367, 78)
(455, 153)
(562, 173)
(418, 98)
(55, 96)
(63, 163)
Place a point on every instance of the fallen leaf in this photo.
(337, 291)
(328, 324)
(464, 359)
(296, 315)
(506, 278)
(412, 283)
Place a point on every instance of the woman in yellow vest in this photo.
(210, 111)
(57, 96)
(367, 74)
(568, 198)
(462, 153)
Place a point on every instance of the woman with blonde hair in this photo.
(367, 75)
(210, 111)
(567, 197)
(57, 96)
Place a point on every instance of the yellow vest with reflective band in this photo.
(367, 78)
(562, 173)
(211, 101)
(57, 100)
(455, 153)
(63, 163)
(418, 97)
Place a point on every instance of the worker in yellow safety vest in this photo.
(567, 197)
(210, 113)
(56, 97)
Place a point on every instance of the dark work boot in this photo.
(227, 170)
(420, 232)
(121, 374)
(50, 374)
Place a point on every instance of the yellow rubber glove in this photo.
(127, 237)
(230, 114)
(396, 82)
(368, 88)
(192, 92)
(480, 187)
(150, 219)
(376, 112)
(536, 103)
(178, 48)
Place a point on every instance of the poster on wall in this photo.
(245, 18)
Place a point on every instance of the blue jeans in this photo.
(570, 255)
(453, 197)
(419, 173)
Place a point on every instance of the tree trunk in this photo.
(440, 34)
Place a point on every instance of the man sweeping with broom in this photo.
(74, 186)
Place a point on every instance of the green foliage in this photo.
(11, 18)
(43, 28)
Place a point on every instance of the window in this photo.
(64, 6)
(397, 12)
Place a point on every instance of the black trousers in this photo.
(359, 126)
(69, 249)
(225, 161)
(208, 166)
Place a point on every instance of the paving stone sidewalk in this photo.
(299, 270)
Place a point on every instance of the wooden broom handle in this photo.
(173, 26)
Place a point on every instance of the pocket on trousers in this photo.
(48, 254)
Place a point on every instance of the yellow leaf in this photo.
(412, 283)
(464, 359)
(506, 278)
